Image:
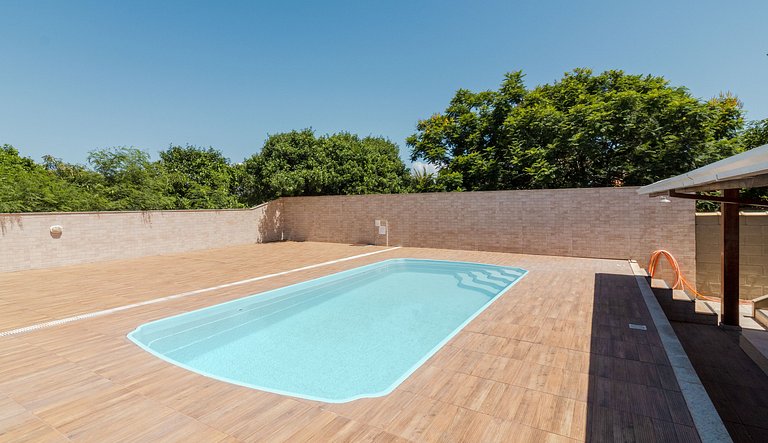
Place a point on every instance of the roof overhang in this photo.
(746, 170)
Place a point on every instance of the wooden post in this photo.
(729, 261)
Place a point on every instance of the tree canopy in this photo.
(119, 178)
(190, 177)
(131, 180)
(26, 186)
(199, 178)
(299, 163)
(585, 130)
(756, 134)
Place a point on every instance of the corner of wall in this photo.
(271, 221)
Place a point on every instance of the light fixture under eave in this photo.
(665, 199)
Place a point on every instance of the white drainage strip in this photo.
(75, 318)
(708, 423)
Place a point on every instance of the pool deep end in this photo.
(354, 334)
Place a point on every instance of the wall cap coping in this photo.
(27, 214)
(605, 188)
(742, 213)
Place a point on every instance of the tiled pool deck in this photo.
(551, 360)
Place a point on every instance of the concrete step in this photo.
(680, 295)
(667, 294)
(761, 317)
(680, 306)
(755, 344)
(657, 283)
(703, 314)
(703, 308)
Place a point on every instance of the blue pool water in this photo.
(358, 333)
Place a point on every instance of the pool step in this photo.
(485, 278)
(481, 281)
(679, 306)
(499, 278)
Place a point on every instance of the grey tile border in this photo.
(707, 421)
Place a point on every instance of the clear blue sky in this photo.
(76, 76)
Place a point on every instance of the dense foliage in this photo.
(584, 130)
(299, 163)
(123, 178)
(119, 178)
(26, 186)
(199, 178)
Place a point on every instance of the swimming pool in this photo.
(354, 334)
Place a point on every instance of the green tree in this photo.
(86, 180)
(299, 163)
(423, 181)
(368, 165)
(584, 130)
(199, 178)
(26, 186)
(131, 180)
(755, 134)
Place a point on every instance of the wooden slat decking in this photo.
(551, 360)
(737, 386)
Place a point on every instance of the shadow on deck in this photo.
(633, 394)
(737, 386)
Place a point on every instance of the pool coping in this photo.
(706, 420)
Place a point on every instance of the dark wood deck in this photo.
(737, 386)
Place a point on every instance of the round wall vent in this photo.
(56, 231)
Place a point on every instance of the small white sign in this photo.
(377, 223)
(382, 230)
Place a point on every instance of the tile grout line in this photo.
(706, 420)
(52, 323)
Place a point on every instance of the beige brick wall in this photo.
(597, 222)
(753, 252)
(26, 242)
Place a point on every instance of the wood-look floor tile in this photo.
(551, 360)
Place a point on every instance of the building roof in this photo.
(746, 170)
